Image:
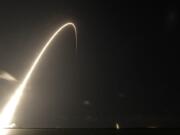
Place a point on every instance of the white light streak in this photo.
(8, 111)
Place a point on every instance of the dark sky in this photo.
(126, 69)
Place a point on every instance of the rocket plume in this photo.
(9, 109)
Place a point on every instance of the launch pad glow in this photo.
(9, 109)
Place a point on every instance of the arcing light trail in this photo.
(8, 111)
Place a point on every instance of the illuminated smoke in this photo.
(8, 111)
(6, 76)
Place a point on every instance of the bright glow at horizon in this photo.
(8, 111)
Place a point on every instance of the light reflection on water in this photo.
(62, 131)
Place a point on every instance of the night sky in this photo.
(126, 68)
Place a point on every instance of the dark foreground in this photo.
(93, 131)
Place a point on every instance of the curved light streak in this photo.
(8, 111)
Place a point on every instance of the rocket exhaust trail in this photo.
(8, 111)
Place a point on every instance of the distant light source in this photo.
(86, 102)
(117, 126)
(151, 127)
